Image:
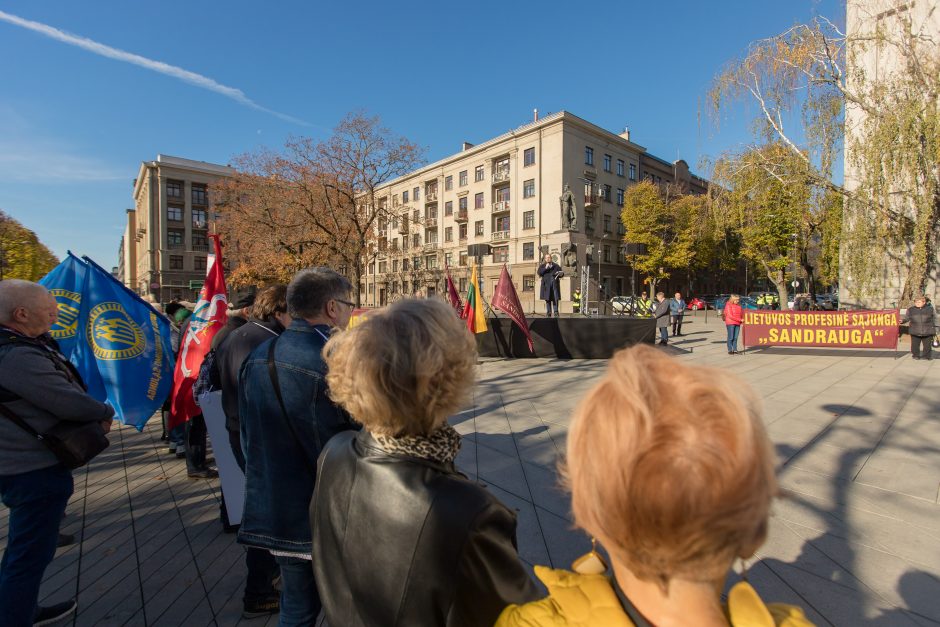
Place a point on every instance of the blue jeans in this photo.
(664, 334)
(549, 305)
(300, 601)
(733, 330)
(37, 500)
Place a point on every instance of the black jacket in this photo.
(229, 357)
(923, 321)
(231, 324)
(402, 541)
(550, 290)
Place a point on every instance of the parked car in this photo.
(709, 299)
(623, 305)
(746, 303)
(828, 302)
(695, 304)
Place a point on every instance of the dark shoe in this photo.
(262, 607)
(914, 357)
(180, 451)
(171, 447)
(54, 613)
(731, 352)
(65, 539)
(230, 528)
(205, 473)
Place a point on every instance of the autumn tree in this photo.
(803, 81)
(670, 224)
(314, 202)
(22, 255)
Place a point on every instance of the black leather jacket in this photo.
(922, 319)
(402, 541)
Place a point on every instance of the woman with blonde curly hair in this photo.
(399, 536)
(674, 496)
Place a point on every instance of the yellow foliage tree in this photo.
(22, 255)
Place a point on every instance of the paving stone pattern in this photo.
(855, 540)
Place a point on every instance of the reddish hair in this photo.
(670, 468)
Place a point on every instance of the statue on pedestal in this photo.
(569, 210)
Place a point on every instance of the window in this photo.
(620, 167)
(528, 250)
(449, 234)
(478, 227)
(528, 188)
(463, 178)
(462, 231)
(394, 265)
(478, 201)
(478, 173)
(200, 195)
(176, 262)
(200, 242)
(404, 242)
(501, 254)
(417, 193)
(619, 197)
(174, 214)
(199, 219)
(405, 266)
(588, 155)
(528, 283)
(199, 263)
(607, 159)
(383, 267)
(528, 220)
(174, 189)
(502, 194)
(501, 224)
(606, 223)
(416, 239)
(463, 282)
(449, 208)
(416, 263)
(528, 157)
(462, 261)
(416, 216)
(430, 262)
(449, 183)
(607, 193)
(174, 238)
(404, 287)
(404, 196)
(632, 171)
(449, 259)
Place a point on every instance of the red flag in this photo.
(208, 317)
(452, 293)
(506, 298)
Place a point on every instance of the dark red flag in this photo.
(506, 299)
(452, 293)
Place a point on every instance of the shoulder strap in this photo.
(22, 424)
(272, 372)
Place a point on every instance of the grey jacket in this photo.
(46, 394)
(661, 313)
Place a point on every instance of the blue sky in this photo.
(75, 125)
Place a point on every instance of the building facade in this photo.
(555, 185)
(166, 241)
(871, 60)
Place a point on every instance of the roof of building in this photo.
(204, 167)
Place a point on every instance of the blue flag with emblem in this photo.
(66, 282)
(123, 347)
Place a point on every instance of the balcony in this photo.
(461, 215)
(198, 247)
(501, 206)
(176, 246)
(403, 227)
(430, 196)
(430, 247)
(500, 175)
(430, 223)
(499, 236)
(590, 200)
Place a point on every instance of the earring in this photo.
(743, 569)
(591, 563)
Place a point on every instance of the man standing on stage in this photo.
(550, 291)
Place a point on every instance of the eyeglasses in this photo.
(345, 302)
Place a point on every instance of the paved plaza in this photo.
(855, 540)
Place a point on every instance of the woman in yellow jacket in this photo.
(675, 496)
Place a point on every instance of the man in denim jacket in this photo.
(283, 430)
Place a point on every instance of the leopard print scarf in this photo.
(441, 446)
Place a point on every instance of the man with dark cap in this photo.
(238, 313)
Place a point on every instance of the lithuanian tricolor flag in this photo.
(473, 309)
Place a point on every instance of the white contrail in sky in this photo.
(157, 66)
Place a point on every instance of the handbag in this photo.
(73, 443)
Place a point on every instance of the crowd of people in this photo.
(353, 502)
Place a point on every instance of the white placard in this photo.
(232, 477)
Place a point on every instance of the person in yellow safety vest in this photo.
(763, 301)
(644, 306)
(576, 300)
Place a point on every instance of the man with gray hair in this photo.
(286, 417)
(38, 385)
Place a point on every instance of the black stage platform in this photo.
(568, 337)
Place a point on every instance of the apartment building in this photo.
(166, 241)
(501, 201)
